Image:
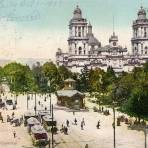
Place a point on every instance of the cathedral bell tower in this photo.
(139, 40)
(113, 40)
(77, 40)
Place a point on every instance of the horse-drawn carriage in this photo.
(10, 104)
(39, 135)
(27, 115)
(41, 114)
(47, 122)
(31, 122)
(15, 121)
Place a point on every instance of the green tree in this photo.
(96, 80)
(1, 75)
(134, 92)
(39, 77)
(108, 79)
(145, 67)
(19, 77)
(137, 104)
(51, 73)
(63, 73)
(84, 79)
(76, 77)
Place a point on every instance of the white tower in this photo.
(78, 40)
(113, 40)
(140, 34)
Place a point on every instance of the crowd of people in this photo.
(64, 128)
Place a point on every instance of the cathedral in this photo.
(85, 49)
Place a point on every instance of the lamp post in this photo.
(35, 107)
(49, 84)
(52, 142)
(15, 94)
(28, 98)
(52, 132)
(114, 127)
(145, 135)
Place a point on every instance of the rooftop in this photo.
(69, 80)
(68, 93)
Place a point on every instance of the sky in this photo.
(36, 28)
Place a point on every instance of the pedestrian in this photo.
(75, 121)
(102, 108)
(83, 121)
(82, 125)
(62, 128)
(45, 99)
(66, 130)
(73, 112)
(86, 146)
(21, 119)
(67, 123)
(12, 114)
(98, 125)
(39, 102)
(45, 108)
(14, 134)
(2, 119)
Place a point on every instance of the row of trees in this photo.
(128, 90)
(22, 78)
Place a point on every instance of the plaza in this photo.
(76, 138)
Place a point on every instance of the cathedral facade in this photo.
(85, 49)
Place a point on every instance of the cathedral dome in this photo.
(77, 10)
(113, 38)
(77, 13)
(142, 13)
(93, 41)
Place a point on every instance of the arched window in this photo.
(79, 31)
(84, 52)
(83, 31)
(136, 33)
(146, 49)
(145, 32)
(79, 34)
(80, 50)
(75, 31)
(75, 45)
(84, 45)
(141, 46)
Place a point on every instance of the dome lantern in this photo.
(141, 13)
(77, 12)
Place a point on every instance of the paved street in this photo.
(76, 138)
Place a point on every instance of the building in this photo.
(140, 34)
(70, 97)
(85, 49)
